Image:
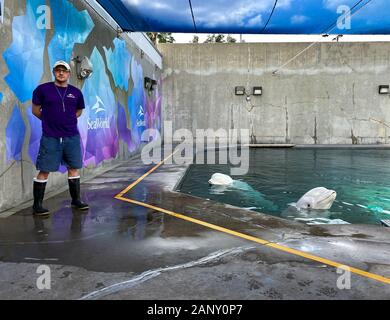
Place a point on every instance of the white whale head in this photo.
(317, 199)
(220, 179)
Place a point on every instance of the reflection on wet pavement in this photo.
(123, 241)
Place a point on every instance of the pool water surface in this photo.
(277, 178)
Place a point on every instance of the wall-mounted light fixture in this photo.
(257, 91)
(84, 67)
(384, 89)
(150, 84)
(239, 91)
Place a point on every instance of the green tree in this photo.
(210, 38)
(230, 39)
(219, 38)
(195, 39)
(161, 37)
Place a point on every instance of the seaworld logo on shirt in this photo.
(71, 96)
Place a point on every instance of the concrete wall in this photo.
(31, 39)
(328, 95)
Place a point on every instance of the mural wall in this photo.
(97, 125)
(117, 110)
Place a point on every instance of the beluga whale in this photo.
(317, 199)
(221, 183)
(220, 179)
(313, 208)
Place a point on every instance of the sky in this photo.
(260, 16)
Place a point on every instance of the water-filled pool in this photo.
(279, 177)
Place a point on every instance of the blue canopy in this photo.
(252, 16)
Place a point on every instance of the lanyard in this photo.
(62, 97)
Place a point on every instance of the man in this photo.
(58, 105)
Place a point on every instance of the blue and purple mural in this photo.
(153, 109)
(15, 133)
(136, 102)
(97, 125)
(24, 57)
(153, 113)
(104, 121)
(118, 62)
(144, 110)
(124, 133)
(35, 137)
(71, 27)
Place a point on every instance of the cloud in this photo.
(334, 4)
(153, 5)
(159, 5)
(298, 19)
(133, 2)
(283, 4)
(255, 21)
(155, 9)
(240, 13)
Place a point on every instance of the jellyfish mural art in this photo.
(15, 132)
(136, 103)
(153, 110)
(70, 27)
(97, 125)
(118, 62)
(24, 57)
(123, 131)
(35, 138)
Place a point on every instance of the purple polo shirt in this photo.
(59, 119)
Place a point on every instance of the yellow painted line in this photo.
(144, 176)
(276, 246)
(203, 223)
(261, 241)
(330, 263)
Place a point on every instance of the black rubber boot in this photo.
(74, 189)
(39, 193)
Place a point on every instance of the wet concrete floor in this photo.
(120, 250)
